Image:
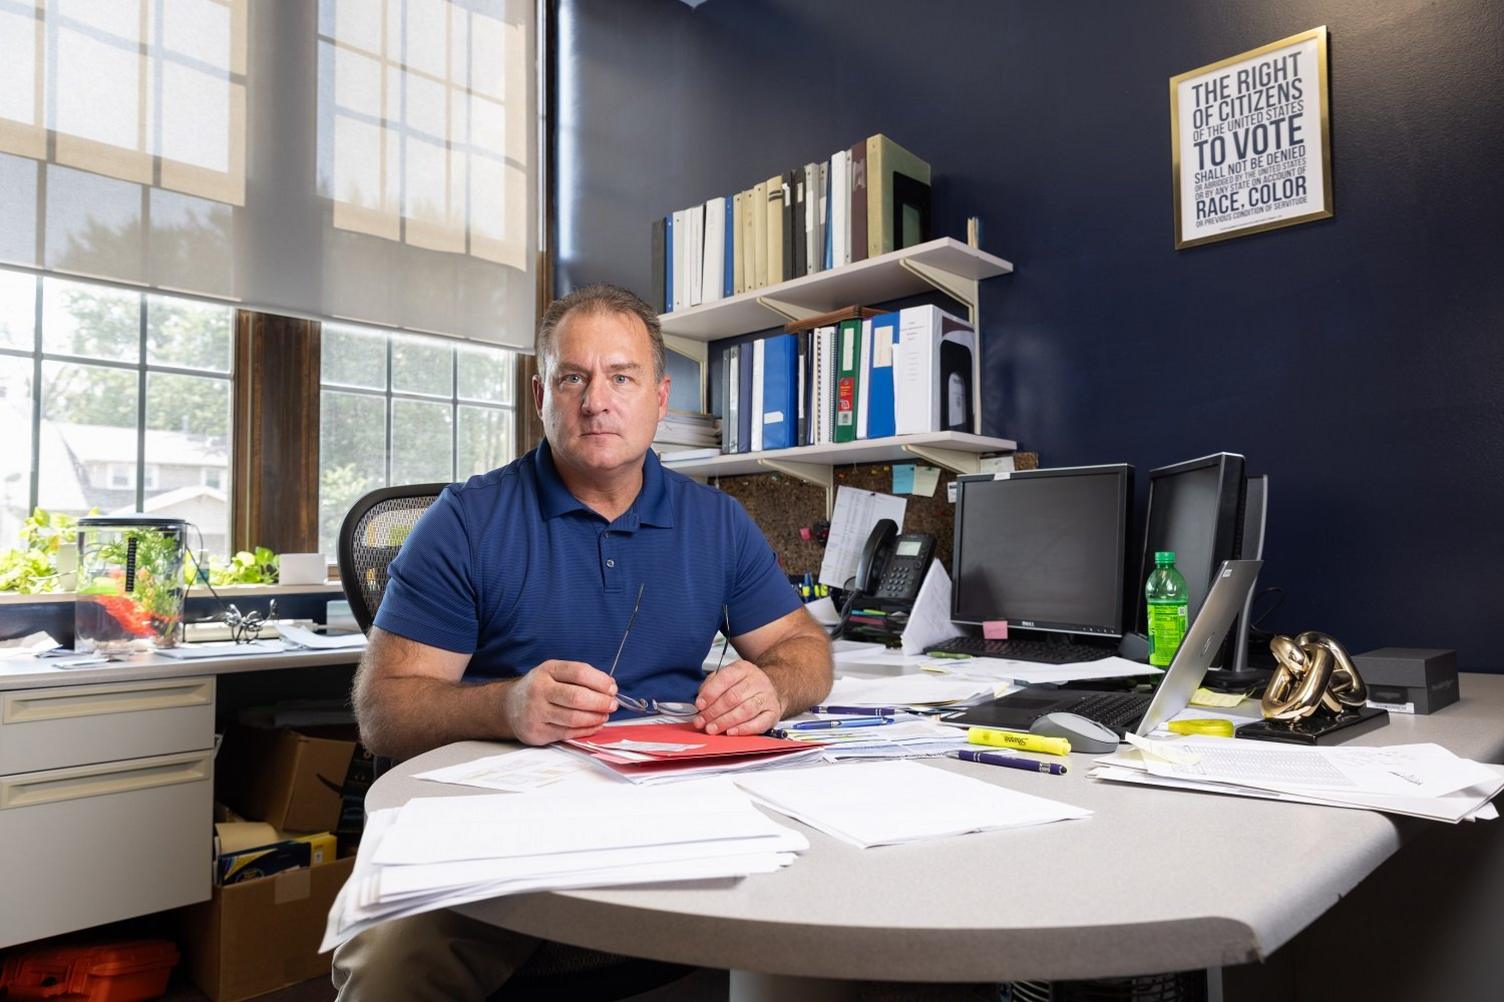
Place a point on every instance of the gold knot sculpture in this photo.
(1314, 674)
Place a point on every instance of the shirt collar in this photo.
(651, 507)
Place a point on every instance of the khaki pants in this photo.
(439, 955)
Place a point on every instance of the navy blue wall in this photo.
(1358, 360)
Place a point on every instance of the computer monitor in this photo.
(1195, 510)
(1043, 549)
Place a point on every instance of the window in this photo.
(404, 409)
(112, 400)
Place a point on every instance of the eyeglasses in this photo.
(673, 709)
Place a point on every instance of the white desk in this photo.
(107, 786)
(1143, 886)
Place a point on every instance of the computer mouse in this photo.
(1084, 735)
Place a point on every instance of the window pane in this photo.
(421, 365)
(422, 442)
(485, 374)
(352, 457)
(353, 357)
(485, 440)
(18, 309)
(184, 333)
(188, 454)
(15, 447)
(90, 320)
(88, 453)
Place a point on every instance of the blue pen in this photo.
(1010, 762)
(860, 711)
(825, 725)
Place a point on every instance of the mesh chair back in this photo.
(372, 534)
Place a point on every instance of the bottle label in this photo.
(1167, 625)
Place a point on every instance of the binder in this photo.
(680, 229)
(848, 376)
(713, 268)
(801, 388)
(730, 392)
(799, 220)
(826, 247)
(858, 220)
(759, 235)
(744, 397)
(885, 159)
(738, 243)
(787, 230)
(759, 390)
(840, 207)
(728, 281)
(749, 235)
(811, 218)
(660, 266)
(780, 378)
(774, 186)
(935, 371)
(864, 375)
(694, 255)
(879, 381)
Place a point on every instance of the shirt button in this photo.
(610, 563)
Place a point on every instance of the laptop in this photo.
(1124, 711)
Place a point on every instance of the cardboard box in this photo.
(261, 935)
(291, 779)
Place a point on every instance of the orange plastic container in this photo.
(101, 972)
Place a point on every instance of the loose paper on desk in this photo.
(301, 637)
(520, 771)
(1034, 673)
(28, 646)
(227, 649)
(886, 803)
(442, 851)
(929, 620)
(856, 512)
(910, 690)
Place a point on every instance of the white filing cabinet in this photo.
(106, 798)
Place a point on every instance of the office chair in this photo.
(370, 537)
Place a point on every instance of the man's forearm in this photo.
(800, 669)
(405, 716)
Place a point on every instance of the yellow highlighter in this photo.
(1017, 739)
(1209, 727)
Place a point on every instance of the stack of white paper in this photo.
(906, 738)
(923, 689)
(1422, 780)
(443, 851)
(855, 803)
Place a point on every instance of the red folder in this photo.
(704, 746)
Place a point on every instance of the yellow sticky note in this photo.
(1205, 697)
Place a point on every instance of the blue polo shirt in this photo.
(512, 569)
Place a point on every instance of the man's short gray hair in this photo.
(600, 298)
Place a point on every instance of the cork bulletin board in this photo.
(782, 505)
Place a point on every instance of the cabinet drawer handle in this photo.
(58, 785)
(28, 706)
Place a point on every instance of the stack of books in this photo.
(850, 375)
(859, 203)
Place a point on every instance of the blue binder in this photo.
(729, 279)
(780, 401)
(668, 263)
(881, 421)
(744, 416)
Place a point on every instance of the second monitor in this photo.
(1043, 550)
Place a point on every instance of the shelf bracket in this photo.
(963, 290)
(789, 311)
(810, 473)
(948, 459)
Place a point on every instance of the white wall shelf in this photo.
(955, 451)
(946, 264)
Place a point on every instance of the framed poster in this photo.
(1250, 141)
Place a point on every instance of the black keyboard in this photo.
(1040, 651)
(1118, 710)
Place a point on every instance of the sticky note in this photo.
(926, 479)
(1205, 697)
(903, 478)
(995, 629)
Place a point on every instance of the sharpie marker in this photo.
(1010, 762)
(859, 711)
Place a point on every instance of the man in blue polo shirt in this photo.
(510, 598)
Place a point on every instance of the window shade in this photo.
(366, 160)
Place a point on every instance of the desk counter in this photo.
(1152, 882)
(32, 673)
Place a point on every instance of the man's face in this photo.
(597, 397)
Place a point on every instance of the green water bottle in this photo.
(1167, 598)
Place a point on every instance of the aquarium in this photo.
(130, 584)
